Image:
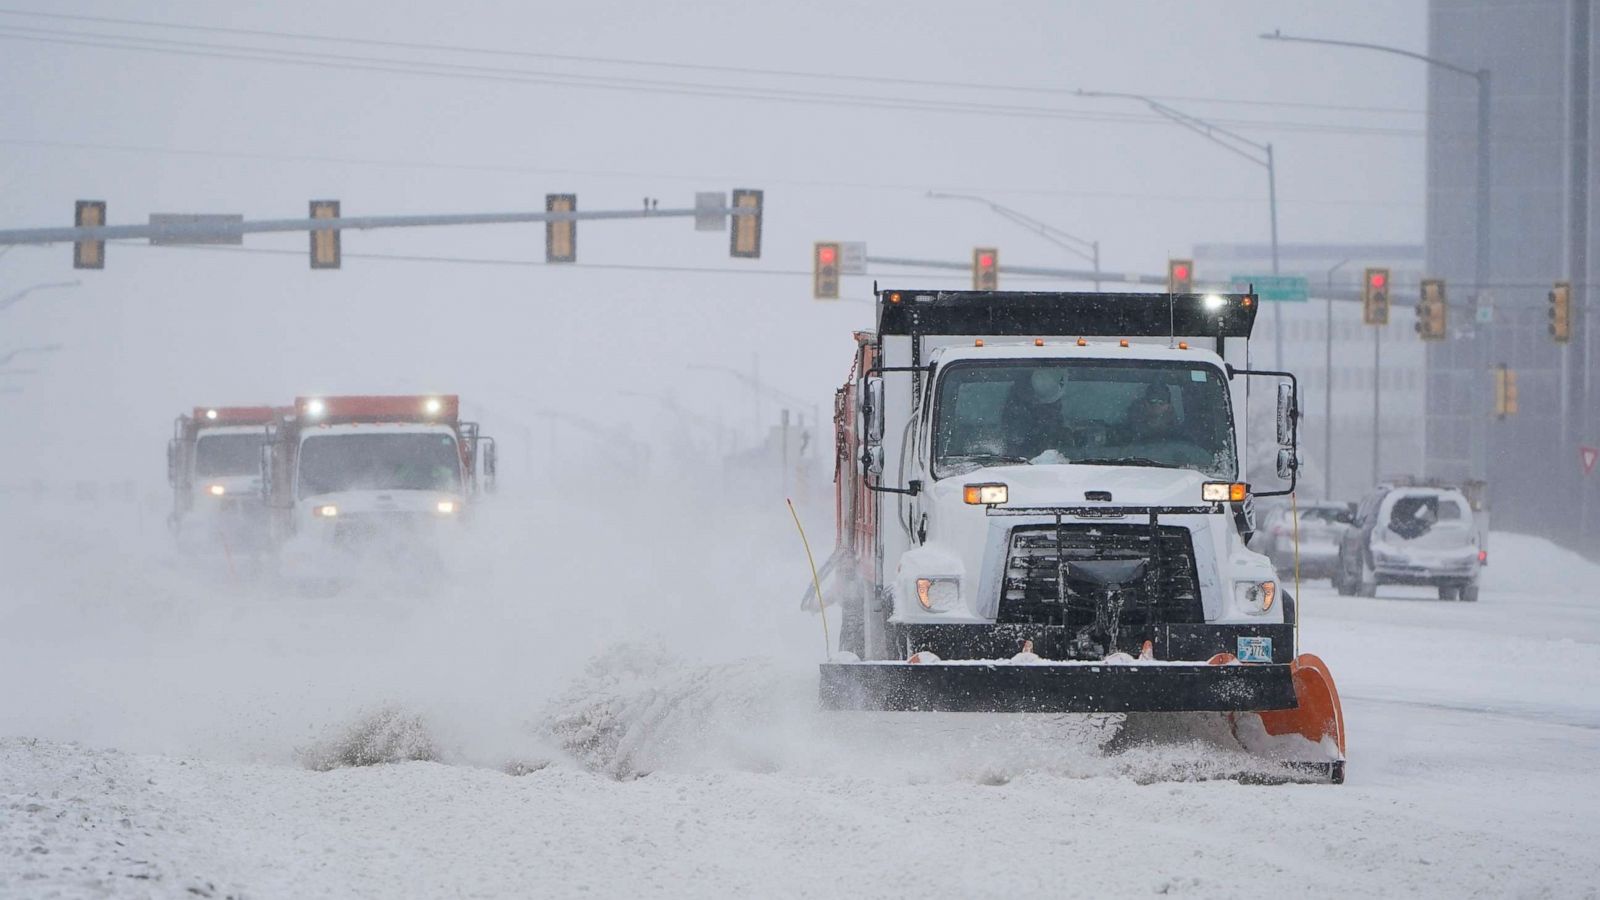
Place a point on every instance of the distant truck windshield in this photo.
(217, 455)
(400, 462)
(1088, 412)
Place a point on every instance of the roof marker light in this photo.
(1082, 342)
(1183, 345)
(978, 342)
(432, 406)
(1123, 342)
(315, 407)
(211, 414)
(1215, 301)
(1038, 342)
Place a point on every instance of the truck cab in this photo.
(343, 471)
(214, 469)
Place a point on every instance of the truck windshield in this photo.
(229, 454)
(386, 462)
(1089, 412)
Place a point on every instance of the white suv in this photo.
(1411, 535)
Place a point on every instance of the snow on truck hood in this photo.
(1066, 484)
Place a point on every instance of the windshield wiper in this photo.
(1120, 461)
(984, 457)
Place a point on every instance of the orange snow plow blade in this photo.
(1317, 714)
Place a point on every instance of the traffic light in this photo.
(825, 271)
(1375, 297)
(1505, 391)
(1431, 311)
(1180, 276)
(89, 254)
(985, 269)
(1561, 312)
(744, 240)
(561, 238)
(325, 250)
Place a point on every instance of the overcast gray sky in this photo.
(193, 127)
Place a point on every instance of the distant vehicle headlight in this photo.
(216, 490)
(325, 511)
(447, 507)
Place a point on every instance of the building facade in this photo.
(1539, 56)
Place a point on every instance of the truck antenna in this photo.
(1172, 327)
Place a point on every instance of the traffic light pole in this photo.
(215, 230)
(1095, 275)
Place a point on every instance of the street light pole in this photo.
(1254, 151)
(1069, 242)
(1481, 267)
(1327, 390)
(38, 348)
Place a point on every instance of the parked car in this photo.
(1322, 525)
(1411, 534)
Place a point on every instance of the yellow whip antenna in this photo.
(827, 641)
(1294, 516)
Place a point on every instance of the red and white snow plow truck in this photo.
(342, 472)
(214, 467)
(1041, 508)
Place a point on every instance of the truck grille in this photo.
(1121, 576)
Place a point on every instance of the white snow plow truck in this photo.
(346, 472)
(1041, 508)
(214, 468)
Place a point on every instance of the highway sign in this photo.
(1277, 288)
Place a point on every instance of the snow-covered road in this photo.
(156, 732)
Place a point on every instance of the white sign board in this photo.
(852, 258)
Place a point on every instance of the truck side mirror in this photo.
(872, 409)
(872, 459)
(1287, 412)
(491, 459)
(172, 462)
(1287, 463)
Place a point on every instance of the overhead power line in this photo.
(420, 68)
(672, 65)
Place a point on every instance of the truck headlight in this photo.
(938, 594)
(984, 494)
(216, 490)
(1256, 597)
(1223, 491)
(325, 511)
(447, 506)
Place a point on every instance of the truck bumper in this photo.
(1055, 687)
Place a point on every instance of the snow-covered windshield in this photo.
(405, 462)
(1091, 412)
(229, 454)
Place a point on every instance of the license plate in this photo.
(1255, 649)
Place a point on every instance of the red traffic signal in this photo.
(825, 271)
(985, 269)
(1375, 297)
(1180, 276)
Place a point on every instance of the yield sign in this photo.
(1588, 455)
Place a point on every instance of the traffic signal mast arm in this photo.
(178, 231)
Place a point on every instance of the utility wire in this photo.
(624, 84)
(682, 66)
